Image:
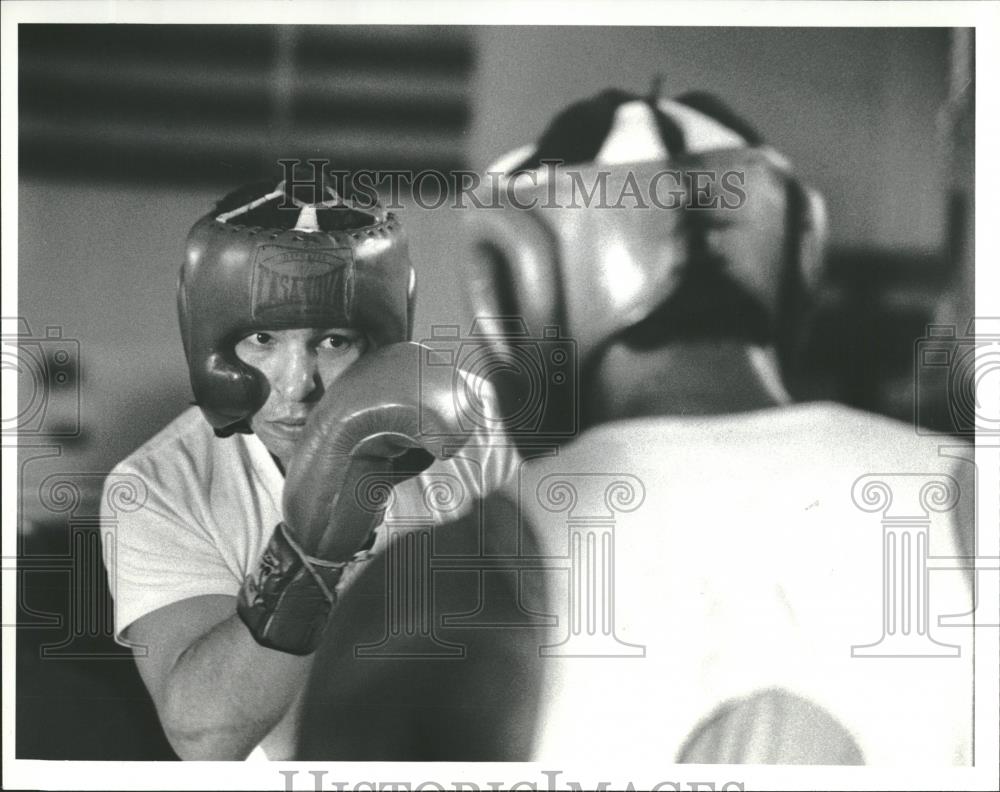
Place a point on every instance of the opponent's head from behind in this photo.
(651, 232)
(278, 296)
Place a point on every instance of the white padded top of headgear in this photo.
(307, 220)
(701, 132)
(634, 136)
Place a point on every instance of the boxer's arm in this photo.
(217, 691)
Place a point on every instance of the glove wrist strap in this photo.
(287, 602)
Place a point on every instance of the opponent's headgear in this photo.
(264, 260)
(647, 195)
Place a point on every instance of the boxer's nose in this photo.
(299, 378)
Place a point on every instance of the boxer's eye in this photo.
(341, 341)
(336, 342)
(255, 343)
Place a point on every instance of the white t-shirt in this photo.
(742, 563)
(195, 511)
(188, 513)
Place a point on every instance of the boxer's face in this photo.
(299, 365)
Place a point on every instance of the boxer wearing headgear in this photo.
(655, 208)
(295, 317)
(711, 569)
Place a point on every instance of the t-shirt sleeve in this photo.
(155, 553)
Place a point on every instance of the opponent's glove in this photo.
(383, 407)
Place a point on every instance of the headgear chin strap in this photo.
(275, 263)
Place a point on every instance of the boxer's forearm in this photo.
(225, 693)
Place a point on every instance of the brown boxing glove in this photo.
(384, 407)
